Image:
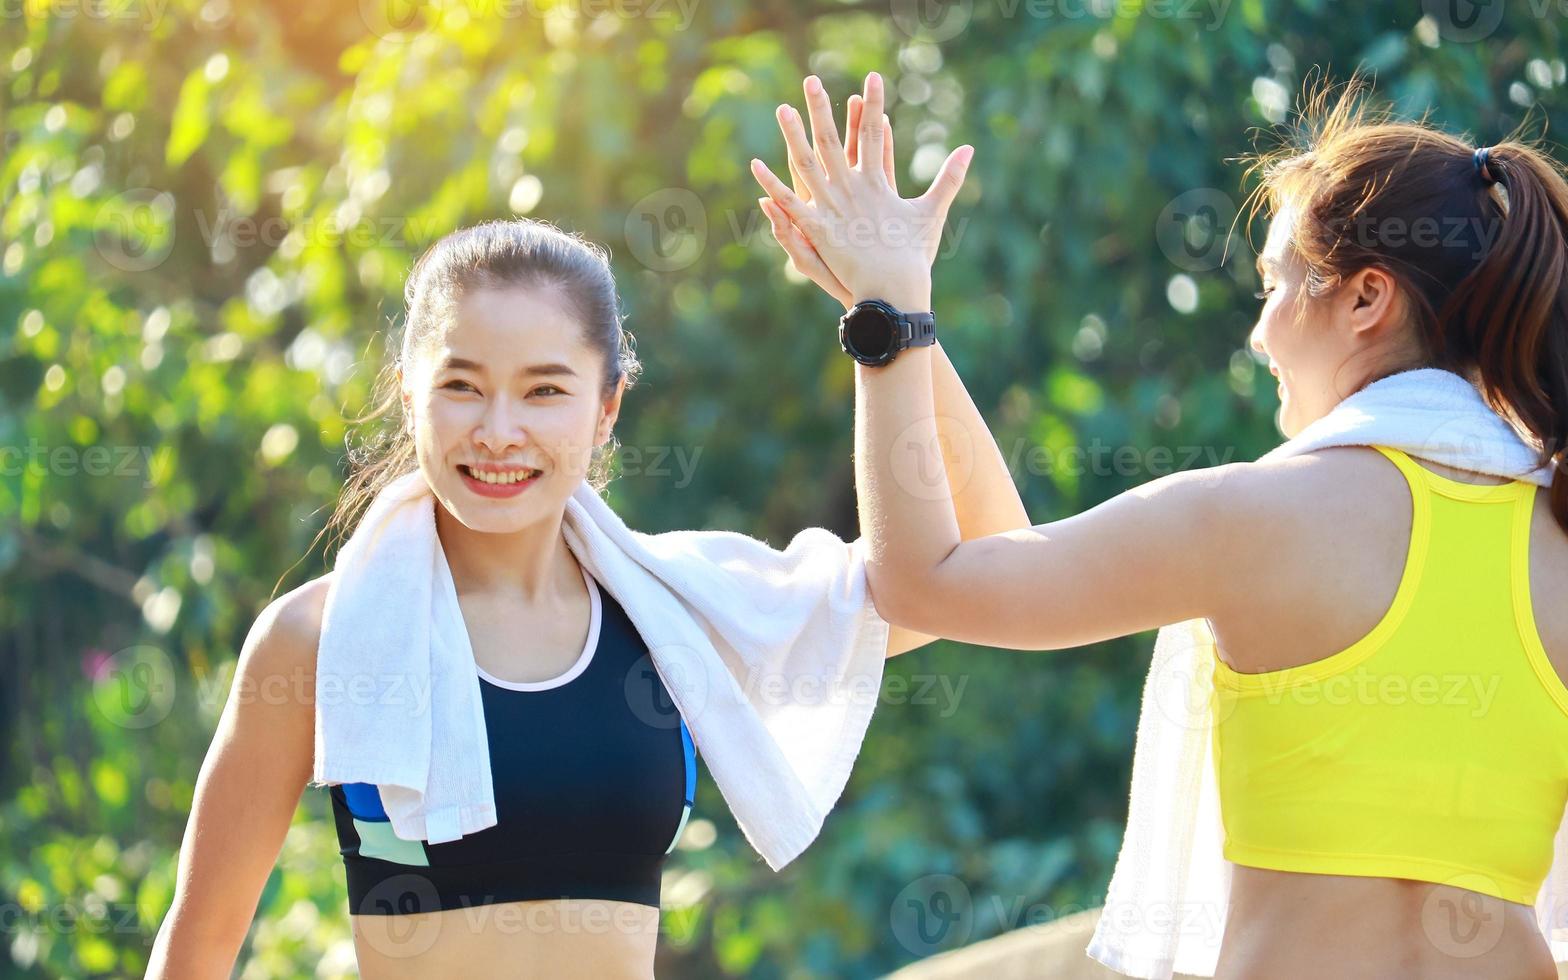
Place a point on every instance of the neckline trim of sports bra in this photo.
(595, 615)
(1460, 490)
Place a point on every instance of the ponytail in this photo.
(1512, 310)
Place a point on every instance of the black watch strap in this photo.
(916, 330)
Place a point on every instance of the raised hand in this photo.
(874, 243)
(802, 254)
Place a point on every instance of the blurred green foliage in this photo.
(206, 213)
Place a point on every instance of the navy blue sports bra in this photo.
(595, 775)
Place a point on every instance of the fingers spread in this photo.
(948, 180)
(789, 237)
(822, 132)
(794, 207)
(800, 251)
(800, 151)
(852, 129)
(871, 132)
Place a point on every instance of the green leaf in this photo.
(192, 119)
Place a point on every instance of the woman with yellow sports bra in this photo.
(1435, 747)
(1388, 718)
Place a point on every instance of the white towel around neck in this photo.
(1168, 898)
(774, 659)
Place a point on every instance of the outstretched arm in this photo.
(1154, 555)
(984, 499)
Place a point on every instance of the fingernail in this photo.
(813, 84)
(965, 154)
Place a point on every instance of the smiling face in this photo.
(510, 392)
(1323, 348)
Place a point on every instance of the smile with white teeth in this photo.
(502, 479)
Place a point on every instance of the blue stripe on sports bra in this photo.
(364, 801)
(690, 751)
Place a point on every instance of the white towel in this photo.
(774, 659)
(1166, 906)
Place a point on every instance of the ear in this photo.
(408, 402)
(609, 412)
(1371, 303)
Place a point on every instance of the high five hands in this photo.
(843, 225)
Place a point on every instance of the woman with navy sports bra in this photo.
(583, 810)
(507, 387)
(1389, 716)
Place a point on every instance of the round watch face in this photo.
(870, 334)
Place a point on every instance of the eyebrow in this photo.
(538, 370)
(1262, 264)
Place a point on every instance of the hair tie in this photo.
(1482, 159)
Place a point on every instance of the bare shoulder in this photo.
(1306, 492)
(1267, 501)
(1280, 523)
(1349, 510)
(287, 632)
(1306, 476)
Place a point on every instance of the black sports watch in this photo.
(872, 332)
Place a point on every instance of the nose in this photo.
(1255, 338)
(499, 427)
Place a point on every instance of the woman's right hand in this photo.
(875, 243)
(802, 254)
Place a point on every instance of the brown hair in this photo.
(1483, 265)
(517, 252)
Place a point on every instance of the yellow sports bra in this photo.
(1436, 746)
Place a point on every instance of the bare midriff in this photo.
(1285, 925)
(604, 940)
